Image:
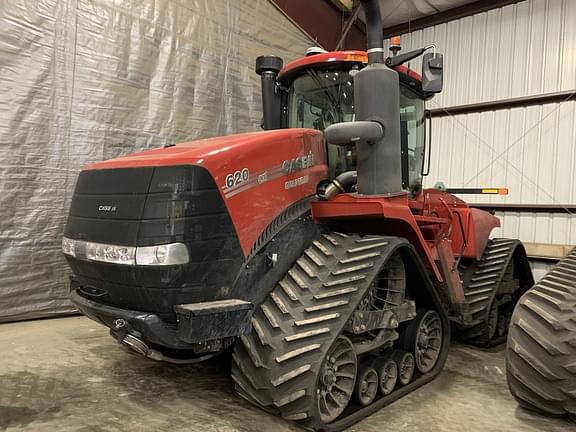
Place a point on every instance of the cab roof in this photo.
(335, 59)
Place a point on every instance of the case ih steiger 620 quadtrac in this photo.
(309, 249)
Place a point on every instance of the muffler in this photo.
(137, 345)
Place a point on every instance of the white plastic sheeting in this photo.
(523, 49)
(87, 80)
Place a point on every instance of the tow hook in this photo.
(119, 323)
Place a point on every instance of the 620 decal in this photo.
(239, 177)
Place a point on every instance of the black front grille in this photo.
(151, 206)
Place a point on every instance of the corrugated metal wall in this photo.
(523, 49)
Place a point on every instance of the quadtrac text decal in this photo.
(242, 180)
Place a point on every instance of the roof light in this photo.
(395, 44)
(315, 50)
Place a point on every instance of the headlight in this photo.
(168, 254)
(161, 255)
(110, 253)
(68, 246)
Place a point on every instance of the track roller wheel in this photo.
(388, 373)
(366, 387)
(422, 337)
(406, 366)
(336, 380)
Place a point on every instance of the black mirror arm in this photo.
(392, 62)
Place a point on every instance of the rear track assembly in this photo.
(492, 286)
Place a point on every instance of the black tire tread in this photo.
(541, 351)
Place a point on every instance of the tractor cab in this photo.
(317, 91)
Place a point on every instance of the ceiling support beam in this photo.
(449, 15)
(324, 22)
(522, 101)
(343, 5)
(351, 20)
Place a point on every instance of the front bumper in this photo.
(215, 322)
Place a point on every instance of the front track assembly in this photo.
(342, 334)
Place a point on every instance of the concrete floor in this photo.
(69, 375)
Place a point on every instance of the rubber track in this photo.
(541, 352)
(276, 366)
(481, 282)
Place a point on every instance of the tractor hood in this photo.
(219, 149)
(257, 175)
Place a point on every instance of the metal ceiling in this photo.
(333, 23)
(401, 11)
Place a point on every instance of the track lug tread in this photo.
(270, 316)
(541, 369)
(352, 269)
(335, 293)
(252, 353)
(259, 331)
(484, 264)
(279, 303)
(359, 258)
(367, 247)
(319, 306)
(322, 248)
(297, 352)
(316, 320)
(344, 281)
(290, 398)
(483, 282)
(307, 334)
(291, 375)
(314, 258)
(297, 279)
(331, 239)
(325, 306)
(288, 290)
(297, 416)
(305, 267)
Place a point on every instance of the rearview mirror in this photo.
(432, 72)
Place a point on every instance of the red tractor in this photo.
(309, 249)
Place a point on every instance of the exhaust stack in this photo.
(376, 130)
(377, 96)
(374, 40)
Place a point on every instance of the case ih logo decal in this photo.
(298, 163)
(107, 208)
(241, 180)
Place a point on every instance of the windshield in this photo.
(323, 97)
(413, 135)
